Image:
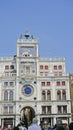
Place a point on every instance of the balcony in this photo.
(9, 74)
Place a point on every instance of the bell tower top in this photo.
(27, 55)
(27, 37)
(27, 42)
(26, 34)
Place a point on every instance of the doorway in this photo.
(27, 114)
(8, 121)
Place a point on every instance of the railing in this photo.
(6, 58)
(52, 59)
(9, 75)
(22, 40)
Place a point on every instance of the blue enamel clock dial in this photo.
(27, 90)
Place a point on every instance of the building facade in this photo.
(33, 86)
(71, 93)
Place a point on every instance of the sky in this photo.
(49, 21)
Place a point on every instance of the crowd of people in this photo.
(58, 126)
(42, 126)
(45, 126)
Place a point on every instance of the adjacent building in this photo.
(71, 93)
(33, 86)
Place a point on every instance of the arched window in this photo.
(11, 95)
(48, 95)
(5, 95)
(63, 95)
(58, 95)
(43, 95)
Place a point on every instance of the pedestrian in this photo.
(34, 125)
(9, 127)
(71, 126)
(16, 128)
(4, 128)
(22, 127)
(59, 125)
(55, 126)
(65, 124)
(0, 127)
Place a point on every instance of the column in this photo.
(18, 61)
(69, 120)
(0, 121)
(54, 120)
(38, 118)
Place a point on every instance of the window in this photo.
(60, 67)
(33, 71)
(25, 55)
(63, 83)
(46, 67)
(28, 69)
(6, 73)
(5, 83)
(43, 109)
(6, 67)
(59, 110)
(55, 73)
(48, 95)
(43, 95)
(22, 71)
(58, 95)
(64, 109)
(5, 109)
(58, 83)
(63, 95)
(6, 95)
(60, 73)
(11, 83)
(41, 73)
(41, 66)
(11, 66)
(55, 67)
(48, 109)
(10, 109)
(46, 73)
(11, 95)
(48, 83)
(42, 83)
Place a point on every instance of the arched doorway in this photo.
(27, 114)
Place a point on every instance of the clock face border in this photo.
(27, 90)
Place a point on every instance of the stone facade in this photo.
(71, 93)
(33, 86)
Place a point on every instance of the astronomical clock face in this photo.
(27, 90)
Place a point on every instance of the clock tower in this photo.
(27, 66)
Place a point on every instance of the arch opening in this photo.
(27, 114)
